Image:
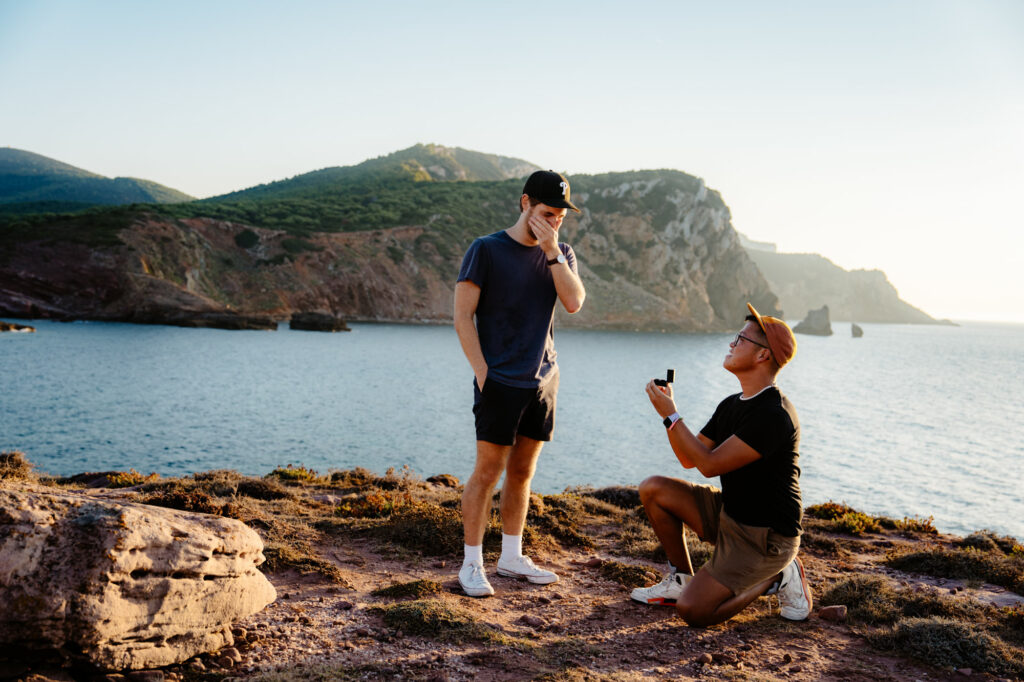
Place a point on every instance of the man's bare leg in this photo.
(670, 503)
(705, 601)
(515, 492)
(491, 459)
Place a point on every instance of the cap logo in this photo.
(564, 186)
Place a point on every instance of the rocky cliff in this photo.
(656, 249)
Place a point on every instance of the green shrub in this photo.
(988, 541)
(432, 618)
(945, 642)
(126, 479)
(829, 511)
(262, 489)
(432, 530)
(627, 575)
(247, 239)
(856, 523)
(294, 474)
(186, 500)
(375, 505)
(870, 599)
(302, 559)
(967, 564)
(416, 588)
(356, 478)
(295, 245)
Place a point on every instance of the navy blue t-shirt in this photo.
(514, 317)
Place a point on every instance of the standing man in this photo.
(510, 281)
(752, 441)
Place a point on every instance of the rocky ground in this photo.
(365, 570)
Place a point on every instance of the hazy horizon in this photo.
(881, 135)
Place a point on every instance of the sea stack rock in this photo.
(128, 586)
(12, 327)
(855, 330)
(318, 322)
(816, 323)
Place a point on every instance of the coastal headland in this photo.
(364, 570)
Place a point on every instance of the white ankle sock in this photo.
(511, 546)
(473, 553)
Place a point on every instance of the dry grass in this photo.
(14, 465)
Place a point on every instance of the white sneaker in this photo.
(664, 593)
(474, 581)
(524, 569)
(794, 592)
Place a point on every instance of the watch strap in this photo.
(671, 420)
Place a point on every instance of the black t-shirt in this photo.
(765, 492)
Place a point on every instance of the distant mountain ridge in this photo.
(807, 281)
(31, 182)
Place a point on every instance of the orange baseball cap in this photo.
(780, 337)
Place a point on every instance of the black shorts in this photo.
(502, 411)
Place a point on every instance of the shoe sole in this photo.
(472, 593)
(527, 578)
(657, 601)
(807, 594)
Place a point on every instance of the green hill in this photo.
(32, 183)
(422, 162)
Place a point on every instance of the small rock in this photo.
(796, 669)
(722, 657)
(747, 647)
(544, 599)
(966, 672)
(345, 605)
(594, 562)
(836, 614)
(787, 658)
(146, 676)
(439, 564)
(197, 666)
(239, 633)
(557, 595)
(704, 659)
(225, 662)
(531, 621)
(232, 653)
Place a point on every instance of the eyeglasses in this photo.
(745, 338)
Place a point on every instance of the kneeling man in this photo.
(752, 441)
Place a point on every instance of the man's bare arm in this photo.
(698, 450)
(467, 296)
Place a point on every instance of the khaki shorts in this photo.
(744, 555)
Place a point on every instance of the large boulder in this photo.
(130, 586)
(818, 322)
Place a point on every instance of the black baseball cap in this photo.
(549, 187)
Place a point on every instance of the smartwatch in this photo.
(670, 420)
(560, 258)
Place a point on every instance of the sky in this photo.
(884, 135)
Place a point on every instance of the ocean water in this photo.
(907, 421)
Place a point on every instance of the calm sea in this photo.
(906, 421)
